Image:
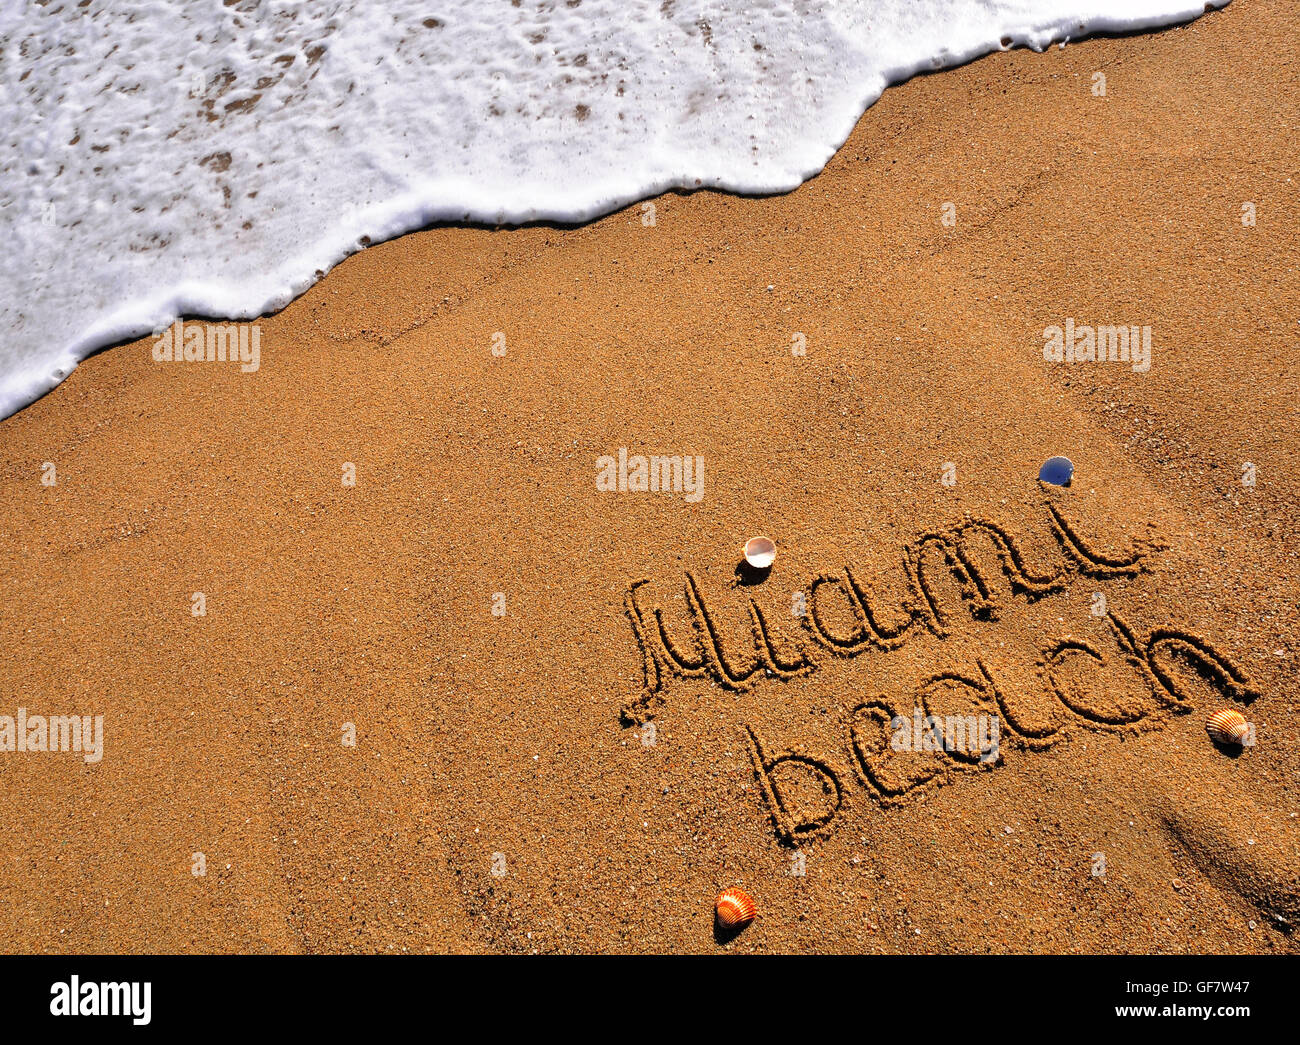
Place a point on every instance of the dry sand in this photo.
(518, 735)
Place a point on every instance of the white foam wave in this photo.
(201, 157)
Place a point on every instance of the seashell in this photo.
(760, 552)
(1227, 726)
(1058, 471)
(735, 908)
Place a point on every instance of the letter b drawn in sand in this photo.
(803, 793)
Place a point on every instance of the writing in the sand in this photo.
(1075, 681)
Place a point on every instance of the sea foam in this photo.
(199, 157)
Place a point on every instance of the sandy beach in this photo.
(447, 693)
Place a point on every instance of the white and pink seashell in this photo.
(760, 552)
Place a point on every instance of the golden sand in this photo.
(505, 791)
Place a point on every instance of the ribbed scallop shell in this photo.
(735, 908)
(1227, 726)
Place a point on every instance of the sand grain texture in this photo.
(480, 735)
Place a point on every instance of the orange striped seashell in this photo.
(735, 908)
(1227, 726)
